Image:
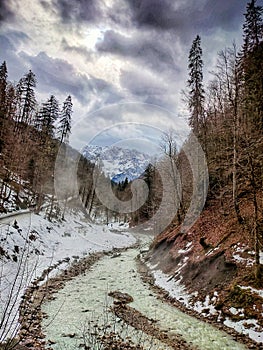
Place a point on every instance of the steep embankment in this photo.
(214, 262)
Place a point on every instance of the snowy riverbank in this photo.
(31, 244)
(206, 309)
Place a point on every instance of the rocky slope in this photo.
(214, 262)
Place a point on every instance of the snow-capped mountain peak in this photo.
(118, 163)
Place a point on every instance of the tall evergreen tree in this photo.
(195, 85)
(3, 88)
(47, 116)
(26, 98)
(253, 26)
(252, 65)
(64, 127)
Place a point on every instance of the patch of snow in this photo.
(206, 305)
(256, 291)
(206, 308)
(211, 251)
(240, 248)
(174, 288)
(187, 248)
(118, 226)
(253, 332)
(247, 262)
(233, 311)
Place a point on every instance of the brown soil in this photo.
(208, 265)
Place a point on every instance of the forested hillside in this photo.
(34, 142)
(222, 252)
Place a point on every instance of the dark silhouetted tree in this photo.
(253, 27)
(47, 117)
(3, 87)
(195, 85)
(64, 126)
(26, 100)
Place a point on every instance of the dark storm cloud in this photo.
(76, 10)
(5, 12)
(188, 15)
(150, 49)
(154, 13)
(59, 76)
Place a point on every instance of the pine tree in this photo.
(47, 116)
(195, 85)
(3, 88)
(252, 66)
(26, 98)
(64, 127)
(253, 26)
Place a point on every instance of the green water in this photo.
(84, 299)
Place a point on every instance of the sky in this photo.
(124, 62)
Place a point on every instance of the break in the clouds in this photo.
(107, 52)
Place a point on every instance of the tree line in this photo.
(226, 115)
(30, 135)
(34, 140)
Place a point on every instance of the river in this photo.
(73, 316)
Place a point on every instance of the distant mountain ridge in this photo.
(118, 163)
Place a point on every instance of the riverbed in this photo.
(81, 309)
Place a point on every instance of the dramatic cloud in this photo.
(57, 75)
(17, 37)
(77, 10)
(5, 11)
(148, 88)
(109, 52)
(148, 49)
(79, 49)
(186, 15)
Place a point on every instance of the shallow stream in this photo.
(83, 303)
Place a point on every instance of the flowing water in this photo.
(83, 303)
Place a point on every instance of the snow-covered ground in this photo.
(29, 244)
(176, 290)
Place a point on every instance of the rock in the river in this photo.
(124, 298)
